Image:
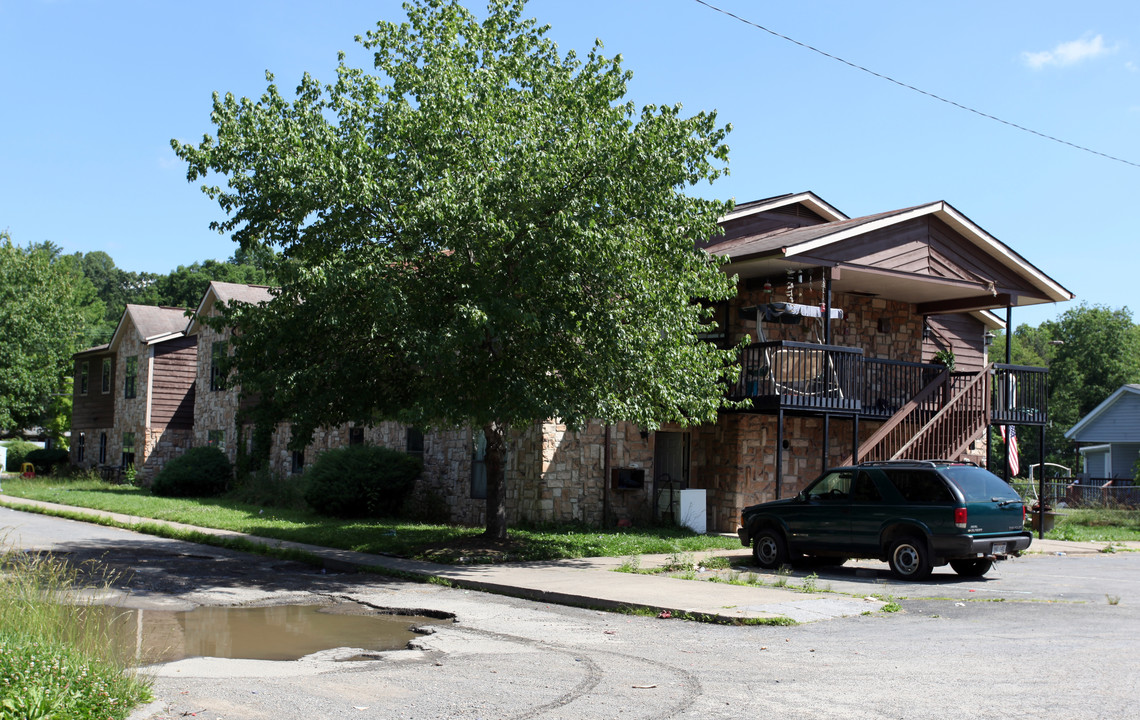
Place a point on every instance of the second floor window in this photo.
(131, 377)
(106, 388)
(84, 375)
(218, 354)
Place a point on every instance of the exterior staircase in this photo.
(941, 421)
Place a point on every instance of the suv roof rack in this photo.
(921, 463)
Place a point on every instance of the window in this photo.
(128, 449)
(835, 486)
(81, 448)
(414, 443)
(864, 489)
(218, 353)
(355, 436)
(84, 374)
(102, 448)
(216, 438)
(920, 486)
(131, 378)
(478, 465)
(298, 465)
(106, 375)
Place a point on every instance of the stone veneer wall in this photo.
(130, 413)
(162, 446)
(213, 409)
(735, 460)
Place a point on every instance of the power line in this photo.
(915, 89)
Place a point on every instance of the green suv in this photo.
(914, 514)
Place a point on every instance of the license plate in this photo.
(999, 549)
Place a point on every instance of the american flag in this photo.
(1010, 439)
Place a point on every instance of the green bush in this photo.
(46, 460)
(361, 481)
(17, 451)
(198, 472)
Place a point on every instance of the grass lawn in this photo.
(1096, 525)
(438, 543)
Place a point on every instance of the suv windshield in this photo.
(978, 485)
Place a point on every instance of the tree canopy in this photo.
(1090, 350)
(40, 324)
(483, 232)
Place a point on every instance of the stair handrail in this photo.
(950, 407)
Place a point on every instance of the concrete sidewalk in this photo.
(588, 582)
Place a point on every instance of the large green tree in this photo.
(1090, 350)
(483, 232)
(40, 324)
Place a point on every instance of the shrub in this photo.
(198, 472)
(17, 451)
(361, 481)
(46, 460)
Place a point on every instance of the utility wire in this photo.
(913, 88)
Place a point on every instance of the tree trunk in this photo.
(495, 433)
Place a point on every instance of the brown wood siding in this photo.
(96, 409)
(172, 387)
(965, 335)
(766, 222)
(925, 246)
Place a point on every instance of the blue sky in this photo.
(94, 91)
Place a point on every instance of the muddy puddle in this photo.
(284, 632)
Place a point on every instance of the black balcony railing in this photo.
(809, 377)
(798, 375)
(888, 385)
(1020, 395)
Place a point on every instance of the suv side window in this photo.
(864, 489)
(833, 486)
(920, 486)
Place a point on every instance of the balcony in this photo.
(809, 378)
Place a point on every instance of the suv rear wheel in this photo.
(971, 568)
(770, 550)
(910, 559)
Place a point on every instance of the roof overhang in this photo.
(808, 199)
(932, 294)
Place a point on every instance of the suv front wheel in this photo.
(910, 559)
(770, 550)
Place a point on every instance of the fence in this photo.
(1087, 492)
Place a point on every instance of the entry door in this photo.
(670, 472)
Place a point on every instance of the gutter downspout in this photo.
(606, 479)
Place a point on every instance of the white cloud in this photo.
(1069, 53)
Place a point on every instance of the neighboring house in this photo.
(134, 398)
(1109, 436)
(93, 406)
(846, 319)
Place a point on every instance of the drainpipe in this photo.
(1006, 383)
(779, 449)
(827, 307)
(606, 478)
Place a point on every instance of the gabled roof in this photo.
(808, 199)
(226, 292)
(150, 323)
(1101, 410)
(802, 246)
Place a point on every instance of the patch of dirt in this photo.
(472, 550)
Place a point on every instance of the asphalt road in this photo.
(1038, 639)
